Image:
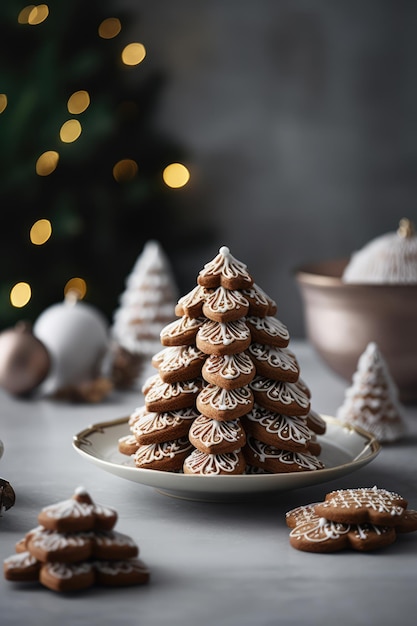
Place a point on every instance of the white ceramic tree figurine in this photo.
(371, 402)
(145, 307)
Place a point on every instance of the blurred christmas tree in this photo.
(80, 148)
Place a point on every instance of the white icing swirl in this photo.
(211, 431)
(226, 266)
(202, 463)
(228, 366)
(219, 399)
(223, 333)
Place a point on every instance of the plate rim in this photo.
(371, 448)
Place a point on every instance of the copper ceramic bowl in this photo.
(341, 319)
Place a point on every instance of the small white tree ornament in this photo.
(371, 402)
(146, 305)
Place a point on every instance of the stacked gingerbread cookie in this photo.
(228, 397)
(363, 519)
(74, 547)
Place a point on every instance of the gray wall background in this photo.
(299, 117)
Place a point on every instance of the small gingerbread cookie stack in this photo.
(74, 547)
(228, 397)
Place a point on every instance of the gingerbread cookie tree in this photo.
(228, 397)
(74, 547)
(145, 307)
(371, 402)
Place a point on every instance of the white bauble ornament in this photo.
(388, 259)
(76, 336)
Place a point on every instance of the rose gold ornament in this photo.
(24, 360)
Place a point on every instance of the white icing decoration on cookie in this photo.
(154, 422)
(223, 333)
(51, 540)
(174, 358)
(287, 429)
(180, 326)
(225, 265)
(319, 530)
(280, 392)
(68, 570)
(270, 326)
(229, 366)
(223, 300)
(379, 500)
(277, 358)
(263, 451)
(224, 399)
(166, 391)
(210, 431)
(160, 451)
(68, 508)
(259, 297)
(20, 560)
(201, 463)
(194, 298)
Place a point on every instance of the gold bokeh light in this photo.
(176, 175)
(33, 14)
(3, 102)
(78, 102)
(47, 163)
(109, 28)
(125, 170)
(40, 232)
(133, 54)
(70, 131)
(76, 287)
(20, 294)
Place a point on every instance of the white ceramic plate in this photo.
(344, 450)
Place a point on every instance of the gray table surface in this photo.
(227, 563)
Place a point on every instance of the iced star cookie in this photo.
(224, 404)
(158, 427)
(128, 444)
(215, 464)
(223, 337)
(21, 567)
(362, 505)
(321, 535)
(178, 363)
(166, 456)
(67, 576)
(274, 363)
(214, 437)
(48, 545)
(224, 305)
(229, 370)
(226, 271)
(122, 573)
(181, 332)
(191, 304)
(161, 397)
(280, 397)
(276, 461)
(275, 429)
(260, 304)
(79, 513)
(113, 545)
(268, 331)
